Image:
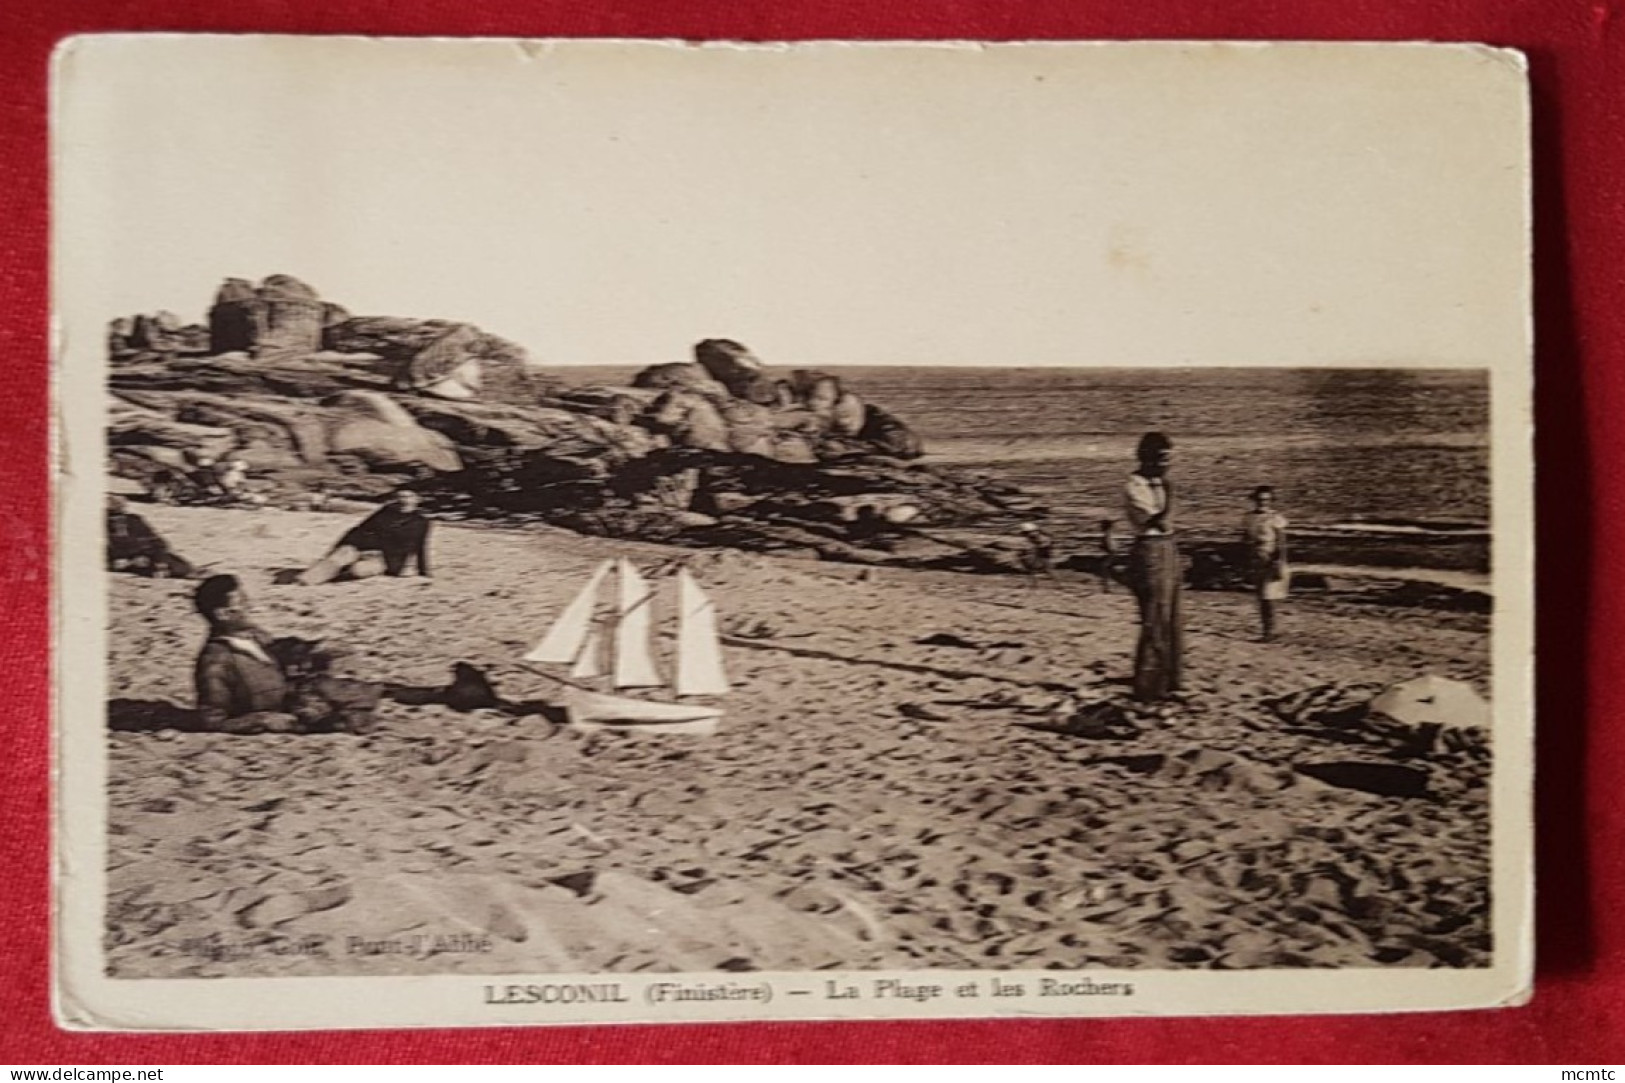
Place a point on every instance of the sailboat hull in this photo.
(598, 711)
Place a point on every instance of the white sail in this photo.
(564, 640)
(634, 663)
(590, 662)
(699, 652)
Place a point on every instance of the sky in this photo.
(600, 203)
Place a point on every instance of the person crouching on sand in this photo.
(1037, 554)
(1155, 571)
(1264, 532)
(249, 683)
(384, 542)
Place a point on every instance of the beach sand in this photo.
(870, 801)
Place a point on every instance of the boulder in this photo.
(392, 338)
(888, 435)
(157, 333)
(448, 367)
(617, 405)
(119, 333)
(847, 415)
(281, 317)
(815, 389)
(235, 317)
(374, 429)
(681, 376)
(492, 425)
(737, 369)
(293, 316)
(690, 420)
(443, 358)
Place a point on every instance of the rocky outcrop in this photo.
(153, 336)
(444, 359)
(728, 400)
(704, 451)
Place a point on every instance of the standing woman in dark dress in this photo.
(1155, 571)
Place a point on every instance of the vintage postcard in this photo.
(608, 531)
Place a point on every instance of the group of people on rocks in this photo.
(1155, 571)
(248, 682)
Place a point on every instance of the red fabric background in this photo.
(1578, 64)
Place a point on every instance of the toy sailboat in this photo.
(585, 633)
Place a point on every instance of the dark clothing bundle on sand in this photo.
(244, 685)
(134, 546)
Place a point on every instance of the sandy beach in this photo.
(883, 792)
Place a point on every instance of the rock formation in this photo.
(736, 368)
(728, 400)
(719, 450)
(444, 358)
(283, 317)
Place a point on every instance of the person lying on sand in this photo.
(384, 542)
(249, 683)
(133, 546)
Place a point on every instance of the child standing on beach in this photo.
(1264, 532)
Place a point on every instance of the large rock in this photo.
(617, 405)
(236, 318)
(281, 317)
(376, 430)
(293, 318)
(448, 367)
(690, 420)
(889, 435)
(493, 425)
(444, 358)
(736, 368)
(681, 376)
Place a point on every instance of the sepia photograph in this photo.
(646, 531)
